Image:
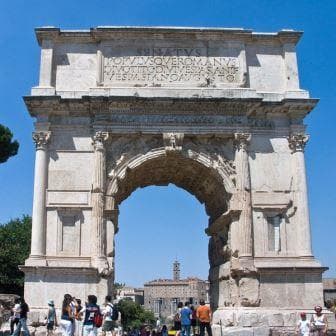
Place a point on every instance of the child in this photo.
(51, 318)
(303, 325)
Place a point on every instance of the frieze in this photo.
(121, 119)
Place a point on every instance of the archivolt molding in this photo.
(200, 167)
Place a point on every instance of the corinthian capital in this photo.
(297, 142)
(41, 139)
(241, 140)
(98, 140)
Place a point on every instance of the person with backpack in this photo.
(24, 309)
(92, 317)
(110, 315)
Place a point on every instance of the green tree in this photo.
(8, 147)
(133, 315)
(15, 247)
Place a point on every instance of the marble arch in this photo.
(219, 112)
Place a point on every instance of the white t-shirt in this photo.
(304, 328)
(108, 312)
(16, 311)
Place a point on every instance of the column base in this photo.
(35, 260)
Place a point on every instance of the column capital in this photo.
(98, 140)
(241, 140)
(297, 142)
(41, 139)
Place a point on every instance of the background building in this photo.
(135, 294)
(163, 295)
(329, 289)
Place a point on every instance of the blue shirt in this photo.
(185, 316)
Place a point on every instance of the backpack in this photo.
(115, 313)
(98, 319)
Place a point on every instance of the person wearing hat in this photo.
(51, 317)
(303, 326)
(319, 323)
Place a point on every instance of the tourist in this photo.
(185, 319)
(193, 320)
(91, 310)
(108, 323)
(177, 318)
(51, 318)
(319, 323)
(303, 326)
(158, 325)
(67, 317)
(15, 315)
(204, 316)
(24, 309)
(164, 330)
(78, 318)
(73, 306)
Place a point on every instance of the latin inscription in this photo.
(169, 66)
(229, 121)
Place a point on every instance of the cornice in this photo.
(99, 34)
(91, 106)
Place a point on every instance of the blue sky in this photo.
(159, 224)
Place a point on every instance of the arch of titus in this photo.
(217, 112)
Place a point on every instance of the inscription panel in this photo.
(172, 66)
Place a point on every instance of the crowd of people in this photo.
(84, 320)
(187, 318)
(76, 319)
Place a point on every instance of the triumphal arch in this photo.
(217, 112)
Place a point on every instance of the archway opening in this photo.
(158, 225)
(198, 175)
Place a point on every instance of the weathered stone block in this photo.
(249, 292)
(238, 331)
(290, 319)
(261, 331)
(248, 319)
(275, 320)
(33, 318)
(41, 331)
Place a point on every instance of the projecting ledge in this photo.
(222, 221)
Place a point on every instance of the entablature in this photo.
(121, 114)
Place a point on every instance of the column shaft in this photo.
(98, 227)
(244, 194)
(38, 242)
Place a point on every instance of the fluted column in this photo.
(38, 239)
(98, 187)
(297, 143)
(244, 194)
